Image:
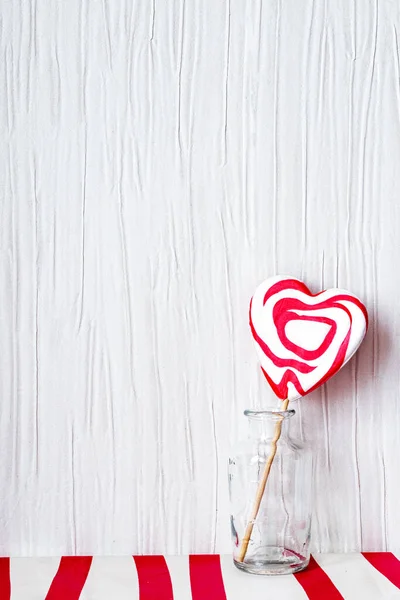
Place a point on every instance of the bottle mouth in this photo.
(269, 413)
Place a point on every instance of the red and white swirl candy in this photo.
(303, 339)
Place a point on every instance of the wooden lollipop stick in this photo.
(261, 486)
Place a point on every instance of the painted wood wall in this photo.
(158, 160)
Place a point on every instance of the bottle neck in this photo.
(263, 423)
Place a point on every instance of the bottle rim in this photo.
(271, 413)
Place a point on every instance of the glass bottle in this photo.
(280, 538)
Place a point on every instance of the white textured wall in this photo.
(158, 160)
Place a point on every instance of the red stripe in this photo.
(386, 563)
(295, 284)
(70, 578)
(154, 579)
(281, 388)
(5, 582)
(206, 577)
(279, 362)
(287, 284)
(284, 312)
(316, 583)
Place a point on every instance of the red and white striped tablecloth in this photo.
(367, 576)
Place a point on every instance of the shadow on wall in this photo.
(363, 371)
(343, 466)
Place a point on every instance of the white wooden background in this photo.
(158, 160)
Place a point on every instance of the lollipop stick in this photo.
(261, 486)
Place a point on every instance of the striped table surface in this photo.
(366, 576)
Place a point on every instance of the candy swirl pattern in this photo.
(303, 339)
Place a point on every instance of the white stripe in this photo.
(179, 571)
(31, 577)
(242, 586)
(356, 578)
(111, 577)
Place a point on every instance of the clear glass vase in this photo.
(279, 534)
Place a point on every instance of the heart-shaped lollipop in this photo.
(303, 339)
